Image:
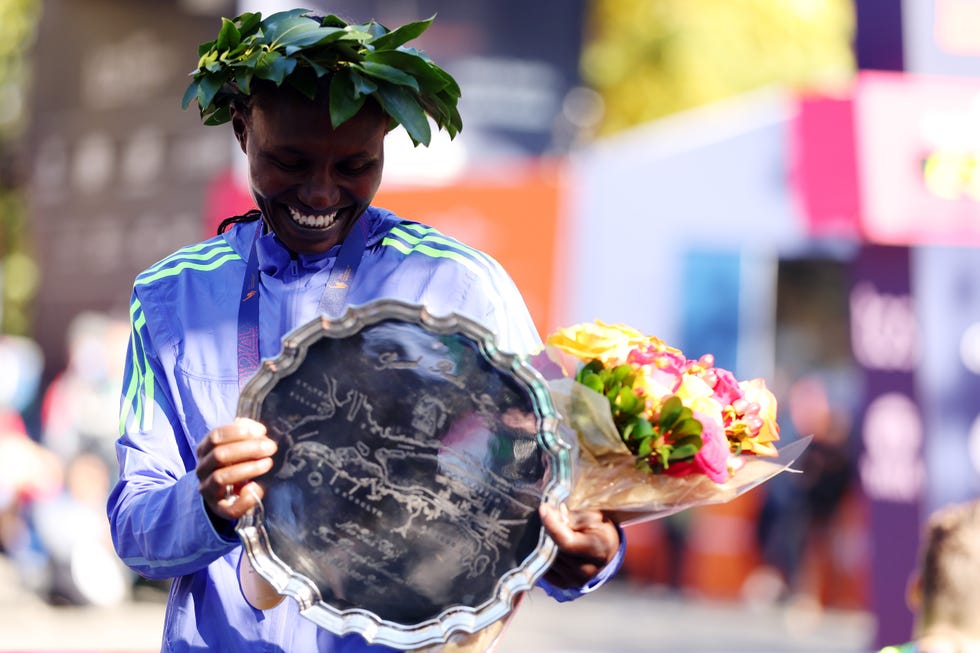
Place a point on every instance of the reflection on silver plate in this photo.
(413, 455)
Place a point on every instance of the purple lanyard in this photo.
(331, 303)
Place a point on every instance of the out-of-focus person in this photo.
(80, 412)
(944, 590)
(28, 472)
(79, 423)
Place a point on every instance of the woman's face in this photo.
(310, 181)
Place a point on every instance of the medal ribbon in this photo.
(331, 303)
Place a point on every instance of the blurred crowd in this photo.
(57, 464)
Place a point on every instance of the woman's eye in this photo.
(357, 167)
(289, 166)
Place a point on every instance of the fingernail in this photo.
(268, 447)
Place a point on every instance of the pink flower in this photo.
(727, 389)
(712, 459)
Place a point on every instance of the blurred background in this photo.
(791, 185)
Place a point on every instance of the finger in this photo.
(234, 453)
(554, 519)
(240, 429)
(234, 506)
(227, 482)
(588, 535)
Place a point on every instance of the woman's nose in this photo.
(321, 190)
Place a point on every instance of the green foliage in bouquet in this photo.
(361, 61)
(671, 435)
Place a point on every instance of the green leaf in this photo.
(626, 432)
(314, 39)
(274, 66)
(682, 453)
(375, 29)
(643, 428)
(428, 80)
(190, 94)
(389, 74)
(591, 380)
(401, 105)
(402, 35)
(687, 426)
(317, 68)
(229, 37)
(343, 102)
(645, 447)
(689, 441)
(621, 372)
(444, 113)
(207, 88)
(248, 23)
(333, 21)
(218, 117)
(628, 402)
(362, 85)
(670, 412)
(208, 58)
(204, 48)
(297, 40)
(243, 79)
(304, 80)
(281, 22)
(451, 88)
(358, 34)
(252, 60)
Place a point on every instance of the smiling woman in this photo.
(310, 180)
(310, 100)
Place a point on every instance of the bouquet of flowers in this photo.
(659, 433)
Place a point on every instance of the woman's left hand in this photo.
(587, 541)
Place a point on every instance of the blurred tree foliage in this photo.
(18, 270)
(650, 58)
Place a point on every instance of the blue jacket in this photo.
(181, 381)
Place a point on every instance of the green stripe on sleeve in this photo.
(146, 278)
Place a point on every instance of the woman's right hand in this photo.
(228, 459)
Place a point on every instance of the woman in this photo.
(315, 149)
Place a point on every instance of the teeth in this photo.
(313, 221)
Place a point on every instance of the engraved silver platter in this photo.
(413, 456)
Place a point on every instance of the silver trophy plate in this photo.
(413, 456)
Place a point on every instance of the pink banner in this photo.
(918, 143)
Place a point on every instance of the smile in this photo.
(312, 221)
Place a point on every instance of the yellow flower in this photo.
(697, 395)
(609, 343)
(761, 444)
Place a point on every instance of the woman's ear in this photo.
(913, 592)
(239, 122)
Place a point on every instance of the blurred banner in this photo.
(886, 341)
(119, 171)
(918, 143)
(947, 301)
(897, 162)
(942, 37)
(824, 166)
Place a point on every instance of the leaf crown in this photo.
(359, 60)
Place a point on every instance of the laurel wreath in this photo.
(361, 61)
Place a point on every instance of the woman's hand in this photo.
(587, 541)
(228, 459)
